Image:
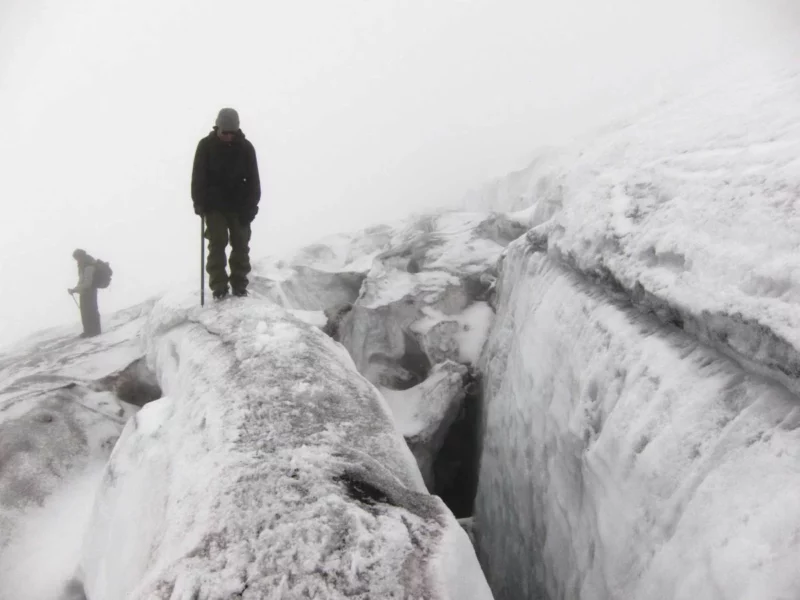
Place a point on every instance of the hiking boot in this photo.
(220, 294)
(240, 293)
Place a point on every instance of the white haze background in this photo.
(359, 111)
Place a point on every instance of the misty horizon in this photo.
(359, 113)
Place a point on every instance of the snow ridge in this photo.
(269, 469)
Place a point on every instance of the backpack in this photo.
(102, 274)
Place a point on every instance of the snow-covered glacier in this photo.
(641, 426)
(597, 368)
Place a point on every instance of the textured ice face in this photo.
(624, 459)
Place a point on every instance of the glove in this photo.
(71, 291)
(198, 209)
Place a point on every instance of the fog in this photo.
(360, 111)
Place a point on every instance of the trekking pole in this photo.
(202, 260)
(75, 301)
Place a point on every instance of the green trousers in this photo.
(220, 229)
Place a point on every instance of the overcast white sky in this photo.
(360, 111)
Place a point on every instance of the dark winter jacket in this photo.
(225, 176)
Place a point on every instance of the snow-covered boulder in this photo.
(270, 468)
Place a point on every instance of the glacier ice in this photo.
(641, 433)
(270, 466)
(624, 459)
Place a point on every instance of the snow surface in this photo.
(60, 352)
(271, 468)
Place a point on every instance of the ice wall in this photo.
(642, 424)
(624, 459)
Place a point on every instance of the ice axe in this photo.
(202, 260)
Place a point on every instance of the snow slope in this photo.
(270, 468)
(642, 423)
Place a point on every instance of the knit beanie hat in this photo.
(228, 120)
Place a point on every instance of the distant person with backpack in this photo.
(226, 189)
(92, 275)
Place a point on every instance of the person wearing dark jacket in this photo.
(226, 189)
(87, 290)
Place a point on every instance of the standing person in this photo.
(226, 190)
(90, 315)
